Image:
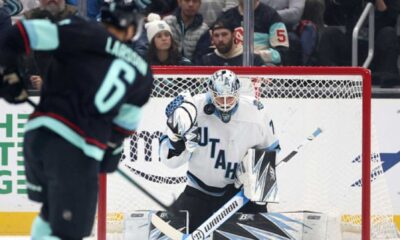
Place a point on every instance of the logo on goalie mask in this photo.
(224, 91)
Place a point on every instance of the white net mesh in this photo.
(324, 176)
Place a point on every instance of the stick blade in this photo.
(165, 228)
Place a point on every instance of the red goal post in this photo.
(305, 81)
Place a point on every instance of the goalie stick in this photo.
(209, 226)
(147, 193)
(310, 138)
(225, 212)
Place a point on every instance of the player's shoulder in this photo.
(250, 103)
(251, 110)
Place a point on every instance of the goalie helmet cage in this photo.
(301, 99)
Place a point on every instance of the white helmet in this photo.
(224, 88)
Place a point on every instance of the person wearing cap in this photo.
(163, 49)
(228, 47)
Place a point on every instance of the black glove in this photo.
(179, 146)
(111, 158)
(12, 88)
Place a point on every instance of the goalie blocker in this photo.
(256, 173)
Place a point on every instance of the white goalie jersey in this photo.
(212, 165)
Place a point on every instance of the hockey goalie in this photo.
(213, 132)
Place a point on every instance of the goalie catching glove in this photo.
(12, 88)
(256, 173)
(182, 128)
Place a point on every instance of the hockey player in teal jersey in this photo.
(90, 102)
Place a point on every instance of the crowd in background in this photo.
(210, 32)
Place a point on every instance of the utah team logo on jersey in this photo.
(217, 154)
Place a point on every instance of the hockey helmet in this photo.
(224, 88)
(120, 13)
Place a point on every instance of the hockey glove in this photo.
(111, 158)
(182, 129)
(12, 88)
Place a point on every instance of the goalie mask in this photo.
(224, 88)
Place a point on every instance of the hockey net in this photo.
(332, 174)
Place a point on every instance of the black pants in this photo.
(64, 179)
(201, 206)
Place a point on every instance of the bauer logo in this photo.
(246, 217)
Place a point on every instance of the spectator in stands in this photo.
(384, 64)
(321, 45)
(37, 63)
(54, 10)
(162, 7)
(289, 10)
(92, 7)
(163, 49)
(228, 48)
(270, 34)
(342, 12)
(187, 26)
(211, 9)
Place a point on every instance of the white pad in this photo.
(256, 173)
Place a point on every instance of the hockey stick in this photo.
(209, 226)
(147, 193)
(310, 138)
(224, 213)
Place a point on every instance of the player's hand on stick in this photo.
(111, 157)
(182, 129)
(12, 88)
